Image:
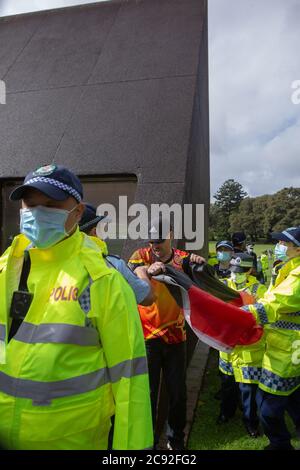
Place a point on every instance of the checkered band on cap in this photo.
(58, 184)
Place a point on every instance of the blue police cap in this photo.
(291, 234)
(225, 243)
(56, 181)
(89, 218)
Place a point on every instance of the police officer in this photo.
(71, 345)
(246, 360)
(239, 242)
(265, 265)
(224, 250)
(229, 393)
(141, 285)
(278, 311)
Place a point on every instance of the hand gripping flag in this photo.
(217, 321)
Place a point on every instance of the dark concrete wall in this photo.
(110, 88)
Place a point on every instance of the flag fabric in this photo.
(218, 323)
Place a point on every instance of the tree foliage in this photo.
(258, 216)
(228, 199)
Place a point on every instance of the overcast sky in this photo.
(254, 59)
(254, 126)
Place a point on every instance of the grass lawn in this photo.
(206, 434)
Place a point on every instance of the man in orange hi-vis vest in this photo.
(164, 327)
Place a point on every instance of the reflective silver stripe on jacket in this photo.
(57, 333)
(128, 369)
(2, 332)
(44, 392)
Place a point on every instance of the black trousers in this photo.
(229, 395)
(272, 415)
(171, 360)
(248, 396)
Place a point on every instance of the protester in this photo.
(164, 328)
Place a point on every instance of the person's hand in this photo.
(141, 272)
(197, 259)
(156, 268)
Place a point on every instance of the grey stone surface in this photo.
(150, 39)
(108, 89)
(31, 126)
(14, 36)
(194, 380)
(134, 127)
(64, 50)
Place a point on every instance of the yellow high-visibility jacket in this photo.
(79, 356)
(279, 312)
(225, 365)
(245, 361)
(212, 258)
(264, 262)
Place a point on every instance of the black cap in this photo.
(89, 218)
(241, 262)
(225, 243)
(55, 181)
(160, 228)
(291, 234)
(238, 237)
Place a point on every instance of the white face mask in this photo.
(239, 278)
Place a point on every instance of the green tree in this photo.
(244, 219)
(283, 210)
(228, 198)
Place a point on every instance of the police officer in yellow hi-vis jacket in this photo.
(72, 351)
(246, 360)
(279, 312)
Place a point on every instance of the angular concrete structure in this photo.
(111, 89)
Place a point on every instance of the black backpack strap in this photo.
(25, 272)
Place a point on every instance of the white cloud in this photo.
(254, 124)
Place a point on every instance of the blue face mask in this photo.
(44, 226)
(223, 256)
(280, 252)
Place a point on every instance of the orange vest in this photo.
(164, 318)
